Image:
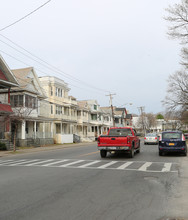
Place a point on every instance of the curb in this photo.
(44, 149)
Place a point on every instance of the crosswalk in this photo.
(140, 166)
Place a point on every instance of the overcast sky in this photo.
(120, 46)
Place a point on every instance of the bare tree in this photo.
(177, 92)
(20, 114)
(146, 121)
(151, 120)
(178, 17)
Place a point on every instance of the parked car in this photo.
(151, 138)
(172, 141)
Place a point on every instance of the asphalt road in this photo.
(75, 183)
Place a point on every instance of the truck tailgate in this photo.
(112, 141)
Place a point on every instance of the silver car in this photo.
(151, 138)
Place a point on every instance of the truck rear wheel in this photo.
(103, 153)
(131, 153)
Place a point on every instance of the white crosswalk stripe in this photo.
(8, 162)
(145, 166)
(73, 163)
(53, 163)
(21, 163)
(167, 167)
(89, 164)
(107, 165)
(142, 166)
(125, 165)
(33, 164)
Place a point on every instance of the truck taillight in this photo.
(128, 140)
(156, 138)
(145, 138)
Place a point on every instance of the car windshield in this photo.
(171, 135)
(151, 135)
(120, 132)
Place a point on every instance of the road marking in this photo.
(167, 167)
(122, 167)
(72, 163)
(89, 164)
(20, 163)
(7, 162)
(50, 164)
(96, 152)
(44, 161)
(107, 164)
(145, 166)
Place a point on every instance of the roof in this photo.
(28, 80)
(21, 75)
(7, 78)
(82, 104)
(4, 108)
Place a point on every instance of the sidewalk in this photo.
(44, 148)
(181, 193)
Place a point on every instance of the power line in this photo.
(41, 71)
(24, 16)
(49, 66)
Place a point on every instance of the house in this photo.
(28, 124)
(121, 116)
(62, 109)
(7, 81)
(100, 118)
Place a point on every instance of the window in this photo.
(95, 107)
(51, 109)
(59, 92)
(120, 132)
(94, 117)
(16, 100)
(51, 91)
(59, 110)
(30, 102)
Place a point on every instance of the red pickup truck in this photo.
(123, 139)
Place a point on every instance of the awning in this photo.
(5, 109)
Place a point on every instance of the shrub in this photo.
(3, 146)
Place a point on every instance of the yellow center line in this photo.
(96, 152)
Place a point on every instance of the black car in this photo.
(172, 141)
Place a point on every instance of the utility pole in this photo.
(141, 108)
(112, 107)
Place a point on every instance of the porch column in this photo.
(23, 129)
(98, 131)
(102, 130)
(35, 129)
(51, 128)
(60, 128)
(43, 130)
